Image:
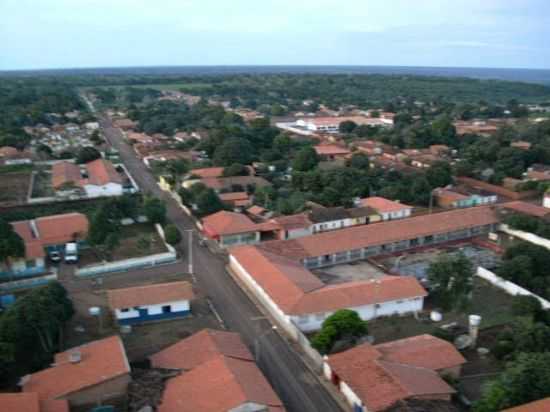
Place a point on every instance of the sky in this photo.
(38, 34)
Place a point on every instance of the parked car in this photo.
(54, 256)
(71, 252)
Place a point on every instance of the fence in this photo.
(509, 287)
(27, 283)
(133, 263)
(528, 237)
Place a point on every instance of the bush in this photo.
(342, 323)
(525, 305)
(502, 349)
(172, 235)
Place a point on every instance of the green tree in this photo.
(208, 202)
(451, 278)
(11, 245)
(344, 323)
(155, 210)
(233, 150)
(306, 159)
(87, 154)
(236, 169)
(359, 161)
(347, 126)
(524, 380)
(172, 235)
(439, 174)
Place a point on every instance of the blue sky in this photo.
(98, 33)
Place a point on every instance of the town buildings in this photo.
(461, 196)
(387, 209)
(219, 374)
(42, 235)
(373, 378)
(147, 303)
(84, 375)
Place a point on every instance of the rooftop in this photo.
(29, 402)
(330, 150)
(208, 172)
(527, 208)
(226, 223)
(358, 237)
(100, 361)
(383, 205)
(102, 172)
(320, 215)
(150, 294)
(541, 405)
(65, 173)
(380, 382)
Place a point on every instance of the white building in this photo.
(103, 179)
(151, 303)
(387, 209)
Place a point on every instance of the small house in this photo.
(387, 209)
(141, 304)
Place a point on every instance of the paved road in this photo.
(295, 384)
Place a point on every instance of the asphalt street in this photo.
(294, 382)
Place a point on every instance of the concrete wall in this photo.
(527, 236)
(249, 238)
(399, 214)
(176, 306)
(21, 268)
(313, 321)
(509, 287)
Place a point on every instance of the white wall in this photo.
(296, 233)
(313, 321)
(399, 214)
(527, 236)
(110, 189)
(546, 201)
(331, 225)
(176, 306)
(350, 396)
(509, 287)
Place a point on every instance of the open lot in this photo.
(349, 272)
(42, 184)
(417, 263)
(139, 239)
(145, 339)
(14, 187)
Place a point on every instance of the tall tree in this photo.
(451, 279)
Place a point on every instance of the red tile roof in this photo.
(149, 294)
(331, 150)
(220, 375)
(542, 405)
(65, 173)
(382, 205)
(102, 172)
(227, 223)
(380, 383)
(298, 291)
(208, 172)
(50, 230)
(101, 360)
(382, 233)
(29, 402)
(57, 405)
(424, 351)
(200, 348)
(256, 210)
(539, 176)
(220, 384)
(8, 151)
(527, 208)
(292, 222)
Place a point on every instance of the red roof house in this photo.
(29, 402)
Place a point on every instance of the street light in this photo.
(257, 342)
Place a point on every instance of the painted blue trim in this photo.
(23, 273)
(151, 318)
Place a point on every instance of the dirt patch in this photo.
(14, 188)
(349, 272)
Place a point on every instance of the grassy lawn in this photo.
(14, 187)
(492, 304)
(137, 240)
(42, 186)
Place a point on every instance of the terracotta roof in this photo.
(19, 402)
(57, 229)
(331, 150)
(355, 294)
(298, 291)
(542, 405)
(101, 360)
(64, 173)
(536, 175)
(218, 183)
(226, 223)
(383, 205)
(328, 214)
(50, 230)
(200, 348)
(379, 383)
(149, 294)
(449, 194)
(256, 210)
(425, 351)
(231, 197)
(292, 222)
(527, 208)
(8, 151)
(102, 172)
(358, 237)
(219, 385)
(208, 172)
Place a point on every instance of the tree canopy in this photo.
(451, 279)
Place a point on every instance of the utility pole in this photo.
(431, 201)
(190, 246)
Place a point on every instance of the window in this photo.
(166, 309)
(125, 310)
(399, 301)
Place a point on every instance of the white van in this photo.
(71, 252)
